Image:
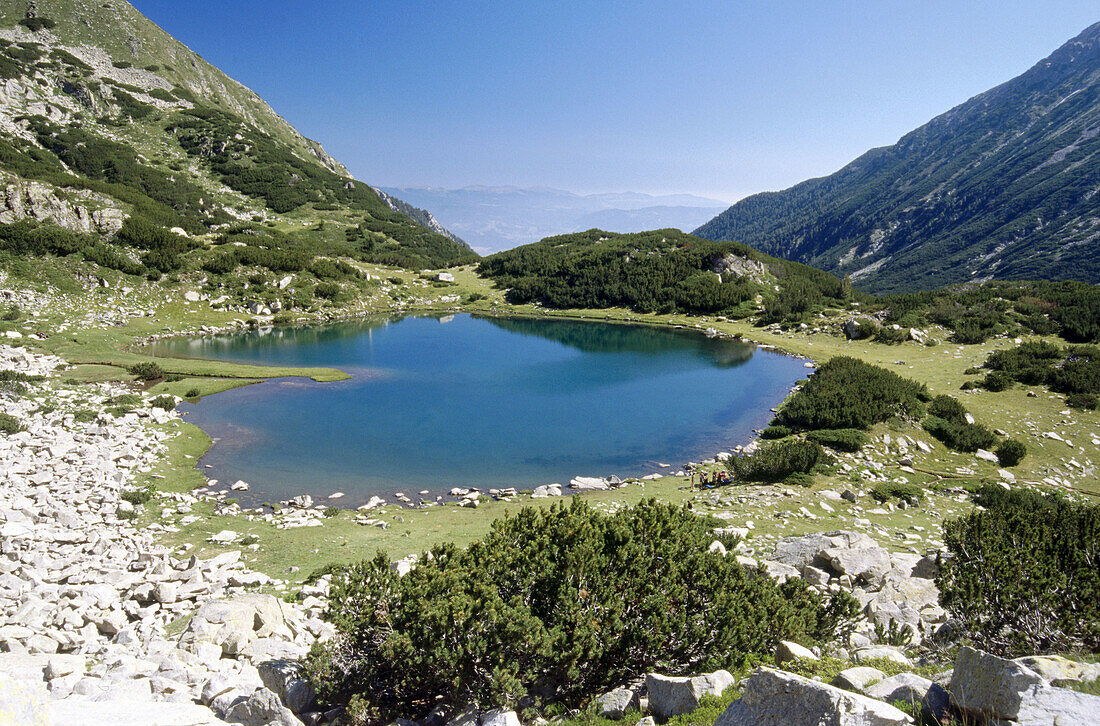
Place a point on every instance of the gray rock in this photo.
(286, 679)
(776, 698)
(985, 685)
(499, 717)
(907, 687)
(1059, 670)
(858, 678)
(671, 695)
(815, 576)
(867, 564)
(615, 703)
(789, 650)
(262, 708)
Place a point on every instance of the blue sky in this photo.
(716, 98)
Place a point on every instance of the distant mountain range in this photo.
(498, 218)
(1003, 186)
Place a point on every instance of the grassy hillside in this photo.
(663, 271)
(1002, 186)
(121, 146)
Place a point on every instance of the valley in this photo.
(480, 498)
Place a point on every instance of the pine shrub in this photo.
(947, 422)
(10, 424)
(552, 606)
(1011, 452)
(778, 461)
(147, 371)
(847, 393)
(840, 439)
(1022, 575)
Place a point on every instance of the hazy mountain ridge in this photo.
(1002, 186)
(501, 217)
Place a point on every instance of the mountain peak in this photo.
(1001, 186)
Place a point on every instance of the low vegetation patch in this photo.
(10, 424)
(563, 603)
(1021, 576)
(908, 493)
(849, 440)
(147, 371)
(778, 461)
(947, 421)
(847, 393)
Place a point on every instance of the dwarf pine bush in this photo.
(1022, 574)
(552, 606)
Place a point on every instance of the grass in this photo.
(102, 352)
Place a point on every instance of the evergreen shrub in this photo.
(846, 393)
(552, 606)
(1011, 452)
(1022, 575)
(776, 462)
(840, 439)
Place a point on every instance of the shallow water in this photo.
(437, 402)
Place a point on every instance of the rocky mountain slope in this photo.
(1002, 186)
(104, 117)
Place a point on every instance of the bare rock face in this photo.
(737, 266)
(23, 199)
(777, 698)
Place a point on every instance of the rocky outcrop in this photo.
(985, 686)
(894, 589)
(79, 211)
(86, 599)
(733, 265)
(776, 698)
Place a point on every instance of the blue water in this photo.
(466, 401)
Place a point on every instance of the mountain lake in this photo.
(437, 402)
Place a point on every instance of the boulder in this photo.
(858, 678)
(588, 483)
(807, 549)
(776, 698)
(614, 704)
(286, 679)
(499, 717)
(935, 703)
(911, 688)
(865, 564)
(789, 650)
(262, 708)
(1059, 670)
(674, 695)
(445, 277)
(984, 685)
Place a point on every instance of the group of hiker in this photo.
(707, 480)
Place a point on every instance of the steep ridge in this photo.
(104, 117)
(1003, 186)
